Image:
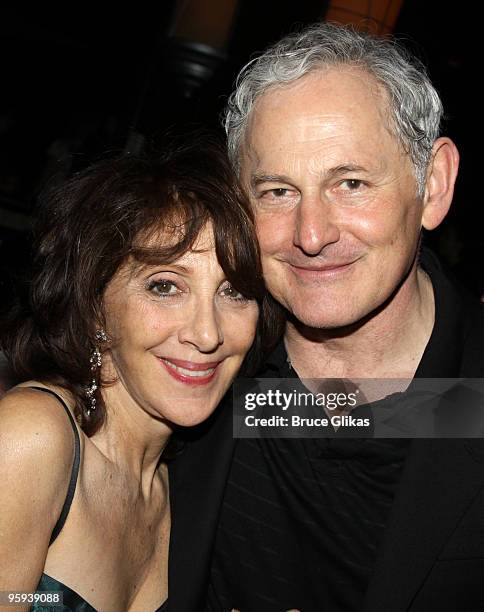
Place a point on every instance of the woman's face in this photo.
(178, 334)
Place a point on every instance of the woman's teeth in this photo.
(185, 372)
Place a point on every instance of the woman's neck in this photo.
(131, 438)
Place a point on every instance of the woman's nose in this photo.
(202, 328)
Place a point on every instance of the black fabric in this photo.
(302, 520)
(301, 523)
(71, 601)
(431, 551)
(75, 467)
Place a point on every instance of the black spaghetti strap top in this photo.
(72, 601)
(75, 467)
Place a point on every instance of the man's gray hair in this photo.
(415, 106)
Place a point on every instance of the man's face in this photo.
(334, 195)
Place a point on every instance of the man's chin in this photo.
(323, 323)
(318, 316)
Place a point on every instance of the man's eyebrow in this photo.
(345, 168)
(258, 177)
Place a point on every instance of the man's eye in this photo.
(279, 192)
(163, 288)
(352, 184)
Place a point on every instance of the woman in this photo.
(141, 311)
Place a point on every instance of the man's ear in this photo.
(439, 188)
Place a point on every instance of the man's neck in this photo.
(389, 344)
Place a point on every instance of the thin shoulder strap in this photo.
(75, 467)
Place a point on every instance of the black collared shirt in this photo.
(302, 519)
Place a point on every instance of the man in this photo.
(335, 135)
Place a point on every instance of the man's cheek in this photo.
(274, 234)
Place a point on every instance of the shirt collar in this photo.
(443, 354)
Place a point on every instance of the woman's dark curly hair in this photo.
(88, 227)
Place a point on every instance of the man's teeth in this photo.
(192, 373)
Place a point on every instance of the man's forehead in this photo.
(327, 84)
(348, 103)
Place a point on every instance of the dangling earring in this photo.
(96, 362)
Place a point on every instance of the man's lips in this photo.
(190, 372)
(327, 270)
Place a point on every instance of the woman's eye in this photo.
(163, 288)
(231, 292)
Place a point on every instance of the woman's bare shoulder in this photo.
(35, 433)
(36, 454)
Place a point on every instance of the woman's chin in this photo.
(192, 418)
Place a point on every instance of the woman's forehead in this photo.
(173, 233)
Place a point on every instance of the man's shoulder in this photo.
(459, 315)
(472, 327)
(473, 353)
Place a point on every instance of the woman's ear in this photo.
(439, 187)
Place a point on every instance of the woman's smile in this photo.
(190, 372)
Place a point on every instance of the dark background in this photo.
(80, 81)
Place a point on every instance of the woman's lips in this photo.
(190, 372)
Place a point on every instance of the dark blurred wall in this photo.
(78, 83)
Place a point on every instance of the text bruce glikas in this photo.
(279, 399)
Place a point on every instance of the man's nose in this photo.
(315, 225)
(202, 328)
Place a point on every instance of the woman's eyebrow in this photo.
(175, 266)
(143, 267)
